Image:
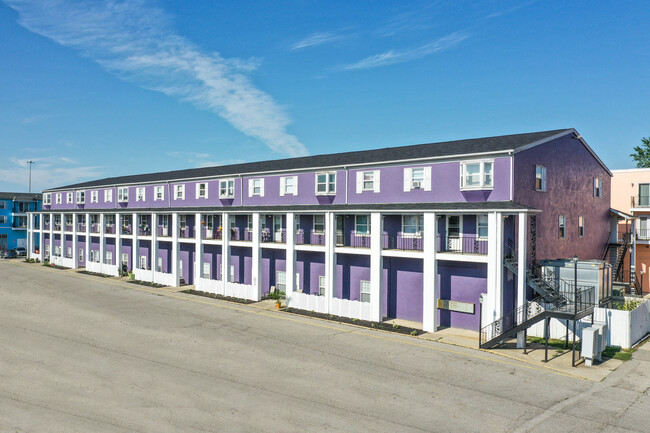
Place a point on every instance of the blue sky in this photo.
(91, 89)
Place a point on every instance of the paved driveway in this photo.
(81, 353)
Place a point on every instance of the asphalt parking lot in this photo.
(87, 354)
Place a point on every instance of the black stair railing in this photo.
(503, 326)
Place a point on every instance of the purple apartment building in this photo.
(419, 233)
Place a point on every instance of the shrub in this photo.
(629, 305)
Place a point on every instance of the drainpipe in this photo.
(347, 176)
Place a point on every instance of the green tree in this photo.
(642, 154)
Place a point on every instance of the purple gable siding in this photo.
(570, 169)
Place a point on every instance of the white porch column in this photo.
(51, 246)
(62, 240)
(330, 258)
(41, 237)
(522, 255)
(198, 260)
(225, 250)
(154, 245)
(198, 251)
(493, 304)
(135, 243)
(430, 288)
(75, 253)
(87, 238)
(290, 230)
(102, 238)
(376, 265)
(256, 260)
(30, 233)
(118, 242)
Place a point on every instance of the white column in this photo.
(376, 265)
(62, 240)
(75, 253)
(87, 238)
(225, 250)
(290, 261)
(522, 255)
(330, 258)
(256, 265)
(102, 238)
(30, 233)
(175, 253)
(154, 245)
(430, 288)
(135, 243)
(493, 304)
(41, 237)
(118, 242)
(198, 251)
(51, 236)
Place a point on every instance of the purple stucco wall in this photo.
(350, 270)
(81, 245)
(402, 288)
(570, 169)
(272, 262)
(127, 248)
(186, 256)
(144, 249)
(110, 247)
(310, 266)
(462, 282)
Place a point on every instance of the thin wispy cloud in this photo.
(509, 10)
(137, 42)
(198, 159)
(400, 56)
(316, 39)
(46, 172)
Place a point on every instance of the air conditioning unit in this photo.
(417, 184)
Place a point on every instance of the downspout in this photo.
(512, 175)
(347, 178)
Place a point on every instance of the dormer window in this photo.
(476, 174)
(325, 183)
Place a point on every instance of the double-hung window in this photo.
(159, 193)
(365, 291)
(81, 197)
(581, 226)
(598, 187)
(562, 226)
(476, 174)
(540, 178)
(140, 194)
(94, 196)
(482, 226)
(201, 190)
(123, 194)
(289, 185)
(368, 181)
(58, 198)
(321, 285)
(68, 197)
(417, 178)
(108, 195)
(256, 187)
(362, 224)
(325, 183)
(319, 223)
(47, 198)
(412, 224)
(179, 192)
(227, 188)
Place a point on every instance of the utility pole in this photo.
(30, 175)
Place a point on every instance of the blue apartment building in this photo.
(14, 207)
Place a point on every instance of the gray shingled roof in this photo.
(20, 196)
(449, 148)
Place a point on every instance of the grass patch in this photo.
(617, 353)
(553, 342)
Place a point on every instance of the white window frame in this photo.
(329, 185)
(81, 255)
(581, 226)
(365, 291)
(140, 193)
(368, 180)
(179, 191)
(108, 257)
(256, 187)
(227, 188)
(413, 180)
(322, 285)
(143, 262)
(419, 224)
(281, 281)
(231, 275)
(159, 265)
(319, 216)
(108, 195)
(205, 271)
(540, 174)
(123, 194)
(598, 187)
(47, 198)
(202, 190)
(482, 174)
(68, 198)
(356, 224)
(81, 197)
(481, 222)
(561, 225)
(158, 192)
(94, 196)
(58, 198)
(125, 259)
(288, 185)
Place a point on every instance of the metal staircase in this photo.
(557, 298)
